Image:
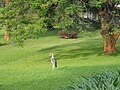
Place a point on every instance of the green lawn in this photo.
(29, 68)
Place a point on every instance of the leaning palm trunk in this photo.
(110, 39)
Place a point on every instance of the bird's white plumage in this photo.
(53, 61)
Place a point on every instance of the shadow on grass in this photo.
(80, 49)
(49, 34)
(3, 44)
(75, 50)
(1, 87)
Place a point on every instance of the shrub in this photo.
(68, 34)
(105, 81)
(2, 43)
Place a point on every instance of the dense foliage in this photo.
(23, 19)
(105, 81)
(27, 18)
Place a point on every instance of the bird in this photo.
(53, 61)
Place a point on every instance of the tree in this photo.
(24, 19)
(27, 18)
(4, 3)
(107, 10)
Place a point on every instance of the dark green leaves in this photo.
(105, 81)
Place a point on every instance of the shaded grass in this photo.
(29, 68)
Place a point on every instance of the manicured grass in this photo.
(29, 68)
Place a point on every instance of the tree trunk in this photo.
(110, 43)
(110, 39)
(6, 36)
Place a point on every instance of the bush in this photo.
(105, 81)
(68, 34)
(2, 43)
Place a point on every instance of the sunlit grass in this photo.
(29, 68)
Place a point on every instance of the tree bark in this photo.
(6, 36)
(110, 39)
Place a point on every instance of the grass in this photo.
(29, 68)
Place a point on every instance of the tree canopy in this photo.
(27, 18)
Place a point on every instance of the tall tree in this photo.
(6, 36)
(26, 18)
(106, 10)
(4, 3)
